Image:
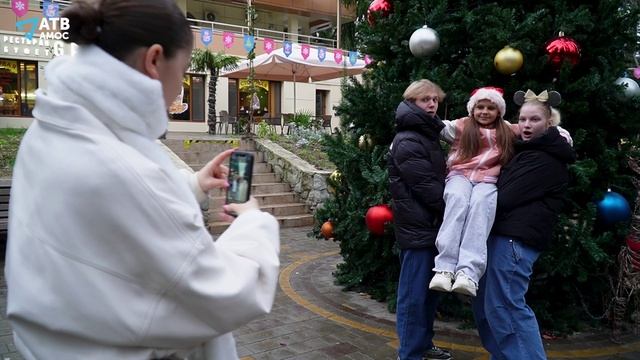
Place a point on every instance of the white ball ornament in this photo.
(424, 42)
(632, 88)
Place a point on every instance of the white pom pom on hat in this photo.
(492, 94)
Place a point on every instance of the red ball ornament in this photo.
(633, 243)
(562, 48)
(376, 217)
(327, 230)
(384, 6)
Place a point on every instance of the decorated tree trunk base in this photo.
(628, 285)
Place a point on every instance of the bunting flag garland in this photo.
(368, 59)
(322, 54)
(305, 50)
(227, 39)
(337, 56)
(353, 57)
(288, 48)
(249, 42)
(268, 45)
(206, 36)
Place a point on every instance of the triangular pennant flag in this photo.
(288, 48)
(353, 57)
(268, 45)
(20, 7)
(337, 56)
(227, 39)
(305, 50)
(322, 54)
(206, 36)
(50, 10)
(249, 42)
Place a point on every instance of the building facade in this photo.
(313, 22)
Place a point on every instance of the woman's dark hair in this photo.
(121, 26)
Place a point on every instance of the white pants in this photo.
(468, 217)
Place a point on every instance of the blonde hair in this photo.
(420, 87)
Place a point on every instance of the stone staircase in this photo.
(273, 195)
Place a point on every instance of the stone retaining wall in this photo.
(309, 183)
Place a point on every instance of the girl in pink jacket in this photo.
(481, 144)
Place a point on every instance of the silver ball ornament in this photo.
(632, 88)
(424, 42)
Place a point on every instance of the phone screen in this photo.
(240, 174)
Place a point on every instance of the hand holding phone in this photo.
(240, 176)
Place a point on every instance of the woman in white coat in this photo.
(108, 256)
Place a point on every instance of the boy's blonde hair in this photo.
(418, 88)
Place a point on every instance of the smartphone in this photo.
(240, 174)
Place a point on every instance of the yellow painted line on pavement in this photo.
(285, 285)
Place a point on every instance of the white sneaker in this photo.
(464, 285)
(441, 281)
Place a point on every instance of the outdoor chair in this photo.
(226, 120)
(273, 121)
(326, 122)
(287, 121)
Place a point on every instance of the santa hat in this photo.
(492, 94)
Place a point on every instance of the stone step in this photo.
(265, 178)
(274, 209)
(216, 202)
(258, 167)
(217, 227)
(213, 146)
(264, 188)
(202, 157)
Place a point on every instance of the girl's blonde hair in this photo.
(418, 88)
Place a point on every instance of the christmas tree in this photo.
(571, 281)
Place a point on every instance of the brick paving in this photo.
(346, 325)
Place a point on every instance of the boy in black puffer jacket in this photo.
(416, 180)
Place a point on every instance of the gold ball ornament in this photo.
(336, 176)
(508, 60)
(334, 179)
(327, 230)
(365, 142)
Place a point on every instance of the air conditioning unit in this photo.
(209, 15)
(319, 25)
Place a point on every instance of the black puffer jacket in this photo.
(531, 189)
(416, 177)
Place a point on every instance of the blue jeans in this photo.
(416, 308)
(508, 327)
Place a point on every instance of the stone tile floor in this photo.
(314, 319)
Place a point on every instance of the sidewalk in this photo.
(314, 319)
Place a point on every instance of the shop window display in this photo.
(18, 83)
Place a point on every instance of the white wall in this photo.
(15, 122)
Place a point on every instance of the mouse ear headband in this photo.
(551, 98)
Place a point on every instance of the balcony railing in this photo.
(217, 27)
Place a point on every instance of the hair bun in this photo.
(84, 22)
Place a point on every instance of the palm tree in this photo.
(205, 60)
